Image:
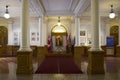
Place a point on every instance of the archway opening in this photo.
(59, 39)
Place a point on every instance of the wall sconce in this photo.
(7, 15)
(112, 14)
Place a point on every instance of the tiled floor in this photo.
(8, 71)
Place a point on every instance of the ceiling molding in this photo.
(36, 5)
(59, 13)
(41, 7)
(71, 2)
(82, 5)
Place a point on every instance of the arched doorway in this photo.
(59, 38)
(114, 30)
(3, 40)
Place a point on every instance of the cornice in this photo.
(59, 13)
(82, 5)
(37, 6)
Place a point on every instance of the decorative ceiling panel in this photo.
(59, 7)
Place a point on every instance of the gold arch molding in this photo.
(58, 30)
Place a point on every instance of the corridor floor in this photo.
(8, 71)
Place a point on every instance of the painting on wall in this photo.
(16, 38)
(83, 37)
(82, 40)
(82, 33)
(33, 36)
(59, 40)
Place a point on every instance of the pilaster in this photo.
(41, 53)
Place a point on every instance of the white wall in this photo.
(33, 28)
(85, 24)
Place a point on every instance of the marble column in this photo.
(77, 31)
(118, 46)
(24, 54)
(95, 54)
(41, 49)
(10, 38)
(78, 50)
(40, 31)
(10, 33)
(95, 25)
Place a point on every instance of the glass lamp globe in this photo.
(6, 15)
(112, 15)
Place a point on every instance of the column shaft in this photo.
(95, 24)
(25, 27)
(39, 31)
(10, 33)
(77, 31)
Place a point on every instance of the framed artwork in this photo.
(33, 36)
(16, 38)
(59, 40)
(82, 40)
(82, 33)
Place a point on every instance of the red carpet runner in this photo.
(61, 64)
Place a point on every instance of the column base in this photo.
(118, 51)
(41, 54)
(95, 62)
(78, 52)
(24, 62)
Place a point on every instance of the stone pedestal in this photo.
(95, 62)
(78, 52)
(41, 52)
(118, 51)
(24, 62)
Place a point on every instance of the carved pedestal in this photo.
(78, 52)
(41, 52)
(95, 62)
(24, 62)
